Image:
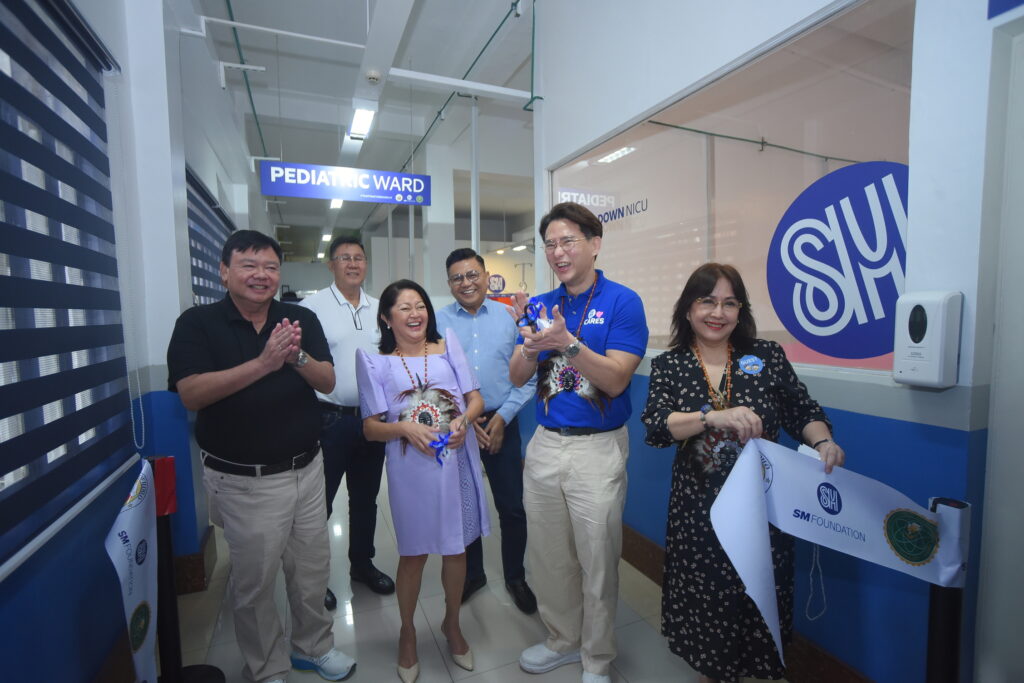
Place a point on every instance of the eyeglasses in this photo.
(471, 276)
(349, 258)
(729, 305)
(566, 243)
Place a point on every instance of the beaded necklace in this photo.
(718, 400)
(583, 316)
(411, 380)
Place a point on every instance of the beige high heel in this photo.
(409, 674)
(464, 660)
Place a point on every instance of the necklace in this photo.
(411, 380)
(719, 400)
(583, 317)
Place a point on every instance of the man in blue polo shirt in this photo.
(591, 336)
(488, 336)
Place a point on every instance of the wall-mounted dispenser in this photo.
(927, 345)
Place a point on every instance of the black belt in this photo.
(228, 467)
(341, 410)
(578, 431)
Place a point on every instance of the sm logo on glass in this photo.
(837, 260)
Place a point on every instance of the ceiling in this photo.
(299, 109)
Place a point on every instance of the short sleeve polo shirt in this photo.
(270, 420)
(614, 319)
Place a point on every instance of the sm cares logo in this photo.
(837, 260)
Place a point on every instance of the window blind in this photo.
(208, 229)
(64, 400)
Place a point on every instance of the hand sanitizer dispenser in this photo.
(927, 345)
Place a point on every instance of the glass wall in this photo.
(709, 177)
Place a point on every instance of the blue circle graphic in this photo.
(829, 498)
(837, 260)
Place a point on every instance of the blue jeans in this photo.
(347, 452)
(505, 474)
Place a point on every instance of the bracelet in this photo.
(522, 352)
(704, 420)
(818, 443)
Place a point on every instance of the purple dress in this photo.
(435, 509)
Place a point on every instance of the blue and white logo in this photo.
(141, 550)
(837, 260)
(829, 498)
(496, 283)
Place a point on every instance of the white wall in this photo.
(604, 64)
(167, 108)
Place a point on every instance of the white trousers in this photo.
(574, 489)
(270, 523)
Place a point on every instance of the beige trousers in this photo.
(271, 523)
(574, 489)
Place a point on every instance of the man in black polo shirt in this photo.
(248, 365)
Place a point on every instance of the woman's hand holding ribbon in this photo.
(457, 436)
(741, 420)
(420, 436)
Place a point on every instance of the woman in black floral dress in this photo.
(714, 390)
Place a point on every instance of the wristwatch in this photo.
(301, 359)
(704, 410)
(572, 350)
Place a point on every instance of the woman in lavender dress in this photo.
(418, 391)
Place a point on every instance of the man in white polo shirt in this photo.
(349, 318)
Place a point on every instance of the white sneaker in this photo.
(595, 678)
(335, 665)
(540, 659)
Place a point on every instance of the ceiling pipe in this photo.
(204, 20)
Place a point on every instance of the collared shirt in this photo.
(488, 339)
(275, 417)
(347, 328)
(614, 319)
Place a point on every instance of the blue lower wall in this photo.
(876, 618)
(61, 610)
(168, 432)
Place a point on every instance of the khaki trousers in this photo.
(574, 489)
(275, 522)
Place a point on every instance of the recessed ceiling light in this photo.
(617, 154)
(326, 238)
(320, 255)
(500, 251)
(361, 122)
(336, 203)
(519, 247)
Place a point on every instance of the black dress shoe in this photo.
(379, 582)
(330, 601)
(472, 586)
(521, 594)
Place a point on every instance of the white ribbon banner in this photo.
(131, 546)
(843, 510)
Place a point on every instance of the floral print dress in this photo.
(707, 618)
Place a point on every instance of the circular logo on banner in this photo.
(915, 539)
(138, 493)
(141, 550)
(837, 260)
(496, 283)
(138, 625)
(829, 498)
(767, 473)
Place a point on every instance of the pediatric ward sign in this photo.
(837, 260)
(282, 179)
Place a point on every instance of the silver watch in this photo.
(572, 350)
(301, 359)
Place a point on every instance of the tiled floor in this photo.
(366, 624)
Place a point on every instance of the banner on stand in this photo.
(843, 510)
(132, 548)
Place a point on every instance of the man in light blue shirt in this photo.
(488, 336)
